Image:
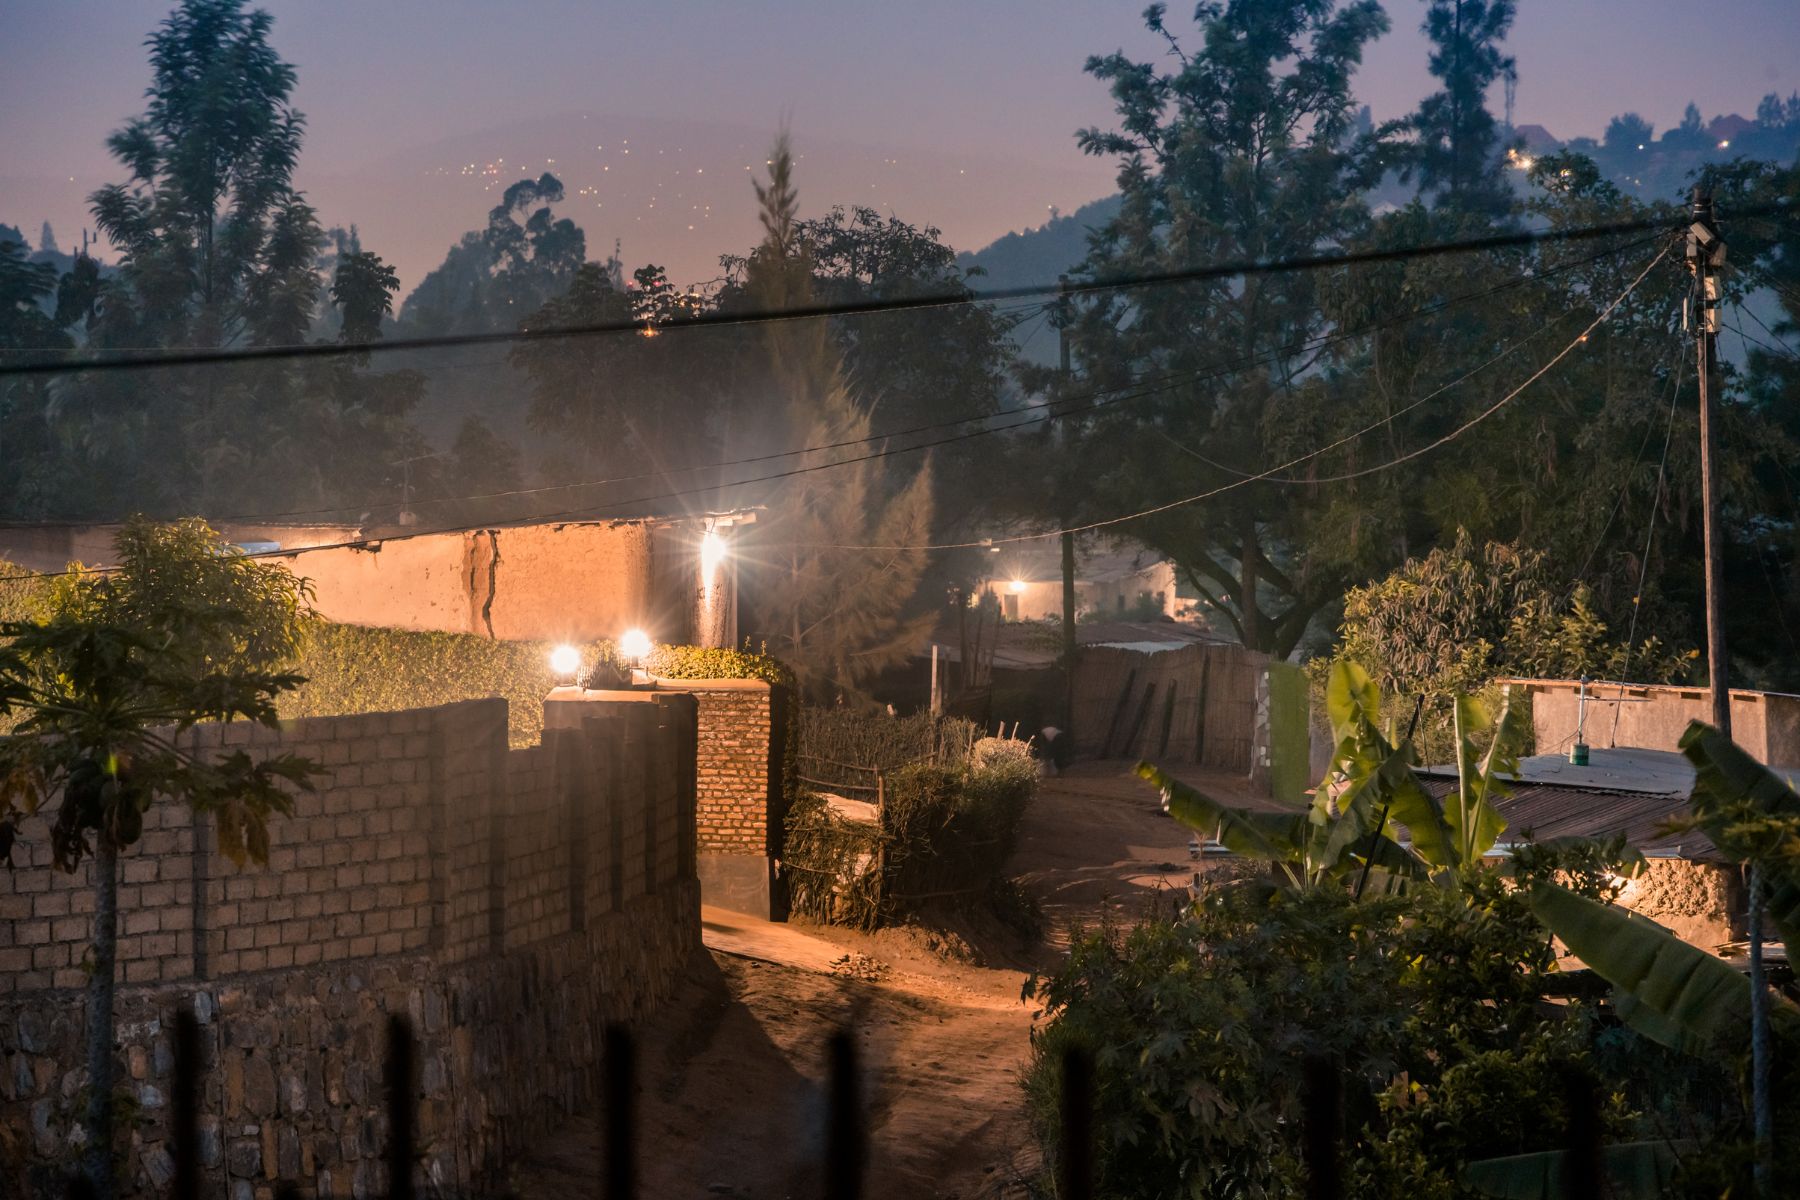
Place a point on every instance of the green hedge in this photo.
(352, 669)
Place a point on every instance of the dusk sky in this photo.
(955, 114)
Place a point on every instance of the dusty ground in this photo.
(732, 1100)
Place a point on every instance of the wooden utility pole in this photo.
(1069, 647)
(1705, 255)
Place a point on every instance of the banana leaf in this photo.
(1694, 1000)
(1469, 811)
(1271, 837)
(1633, 1169)
(1725, 777)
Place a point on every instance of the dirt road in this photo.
(732, 1099)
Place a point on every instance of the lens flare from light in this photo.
(565, 660)
(1017, 586)
(634, 645)
(712, 553)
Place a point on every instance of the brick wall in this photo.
(511, 902)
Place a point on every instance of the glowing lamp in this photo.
(1017, 586)
(565, 660)
(712, 553)
(634, 646)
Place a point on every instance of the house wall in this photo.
(509, 902)
(1041, 599)
(1765, 724)
(570, 582)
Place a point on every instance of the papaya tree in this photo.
(99, 690)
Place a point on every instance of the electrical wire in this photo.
(1057, 410)
(1273, 471)
(589, 513)
(1227, 270)
(1637, 598)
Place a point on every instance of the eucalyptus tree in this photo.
(1243, 150)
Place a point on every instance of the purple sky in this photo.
(957, 114)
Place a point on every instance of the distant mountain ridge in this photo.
(1037, 256)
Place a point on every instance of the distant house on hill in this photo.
(1114, 580)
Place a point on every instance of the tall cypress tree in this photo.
(1458, 137)
(834, 611)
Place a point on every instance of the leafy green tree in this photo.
(215, 243)
(100, 692)
(1237, 153)
(363, 289)
(832, 580)
(1455, 620)
(496, 277)
(1458, 150)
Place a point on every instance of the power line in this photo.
(1057, 410)
(1272, 471)
(591, 513)
(1228, 270)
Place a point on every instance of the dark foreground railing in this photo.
(846, 1137)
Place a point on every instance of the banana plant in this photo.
(1369, 795)
(1750, 812)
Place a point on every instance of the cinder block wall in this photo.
(510, 902)
(738, 780)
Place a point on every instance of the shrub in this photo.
(874, 740)
(943, 835)
(1428, 1003)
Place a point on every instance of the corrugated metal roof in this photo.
(1621, 769)
(1551, 811)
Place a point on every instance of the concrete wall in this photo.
(510, 902)
(739, 781)
(1765, 724)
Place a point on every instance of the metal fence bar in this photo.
(846, 1142)
(184, 1107)
(399, 1075)
(1582, 1171)
(619, 1062)
(1075, 1147)
(1322, 1105)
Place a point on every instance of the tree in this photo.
(1238, 154)
(1457, 152)
(363, 288)
(1464, 615)
(212, 233)
(496, 277)
(102, 689)
(835, 575)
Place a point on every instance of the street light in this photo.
(565, 661)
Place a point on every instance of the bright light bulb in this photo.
(634, 645)
(1017, 586)
(712, 553)
(565, 660)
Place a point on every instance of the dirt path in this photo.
(732, 1099)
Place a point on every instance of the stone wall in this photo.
(511, 903)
